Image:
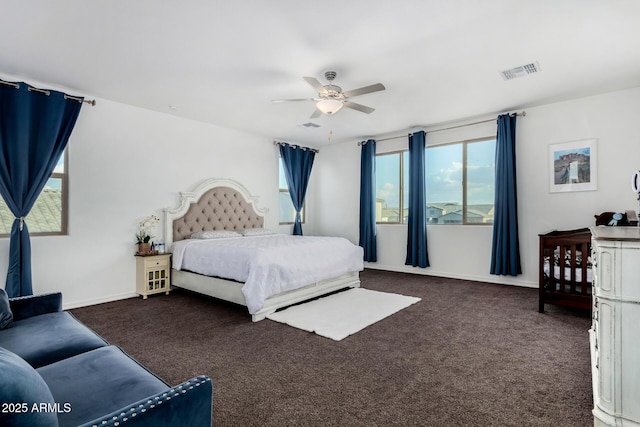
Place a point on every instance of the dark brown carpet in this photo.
(468, 354)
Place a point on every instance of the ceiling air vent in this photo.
(310, 125)
(520, 71)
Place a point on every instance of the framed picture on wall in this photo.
(573, 166)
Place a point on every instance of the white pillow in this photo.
(256, 232)
(215, 234)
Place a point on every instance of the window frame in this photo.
(400, 154)
(286, 190)
(464, 180)
(464, 144)
(64, 202)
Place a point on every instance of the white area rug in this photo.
(339, 315)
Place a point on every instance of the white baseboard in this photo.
(502, 280)
(94, 301)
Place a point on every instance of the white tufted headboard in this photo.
(216, 204)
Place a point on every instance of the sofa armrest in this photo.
(35, 305)
(189, 404)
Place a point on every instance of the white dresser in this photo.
(615, 330)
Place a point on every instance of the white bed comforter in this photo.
(269, 265)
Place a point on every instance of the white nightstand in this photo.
(153, 274)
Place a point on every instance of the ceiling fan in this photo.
(331, 98)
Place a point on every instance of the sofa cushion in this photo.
(6, 316)
(50, 337)
(35, 305)
(97, 383)
(20, 389)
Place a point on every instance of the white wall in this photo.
(465, 251)
(126, 163)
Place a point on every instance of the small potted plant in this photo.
(143, 237)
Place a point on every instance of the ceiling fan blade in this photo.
(275, 101)
(367, 89)
(359, 107)
(316, 84)
(316, 114)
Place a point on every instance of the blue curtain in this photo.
(34, 130)
(297, 163)
(417, 254)
(368, 200)
(505, 251)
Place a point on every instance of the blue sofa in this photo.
(54, 371)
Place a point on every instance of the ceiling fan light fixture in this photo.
(329, 106)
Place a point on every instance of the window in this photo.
(392, 195)
(444, 184)
(49, 213)
(480, 178)
(459, 184)
(287, 213)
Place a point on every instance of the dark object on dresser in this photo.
(605, 218)
(57, 372)
(565, 270)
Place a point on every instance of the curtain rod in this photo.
(523, 114)
(91, 102)
(315, 150)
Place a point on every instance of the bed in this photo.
(220, 207)
(565, 274)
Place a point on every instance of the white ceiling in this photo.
(224, 61)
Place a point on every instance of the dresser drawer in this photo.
(615, 268)
(156, 262)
